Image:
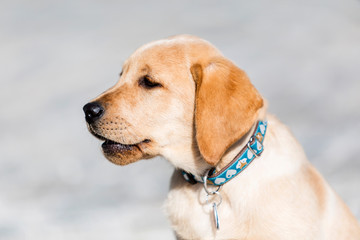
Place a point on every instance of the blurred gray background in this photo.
(302, 55)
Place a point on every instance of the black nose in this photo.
(93, 111)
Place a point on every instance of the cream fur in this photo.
(279, 195)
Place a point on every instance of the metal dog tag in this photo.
(216, 216)
(217, 194)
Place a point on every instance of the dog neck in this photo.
(236, 158)
(253, 149)
(231, 153)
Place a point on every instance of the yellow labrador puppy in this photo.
(240, 173)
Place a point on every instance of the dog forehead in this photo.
(175, 50)
(159, 52)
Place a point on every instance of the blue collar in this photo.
(252, 150)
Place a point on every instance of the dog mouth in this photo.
(111, 147)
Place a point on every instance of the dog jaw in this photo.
(120, 154)
(116, 148)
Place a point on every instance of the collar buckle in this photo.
(258, 143)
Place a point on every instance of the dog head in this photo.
(179, 98)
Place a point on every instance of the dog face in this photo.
(174, 99)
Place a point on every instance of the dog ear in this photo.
(226, 104)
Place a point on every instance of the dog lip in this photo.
(93, 132)
(111, 147)
(109, 142)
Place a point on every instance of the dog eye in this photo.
(145, 82)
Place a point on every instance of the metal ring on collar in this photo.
(217, 194)
(252, 139)
(206, 187)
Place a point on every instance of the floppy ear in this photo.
(226, 104)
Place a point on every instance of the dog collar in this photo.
(252, 150)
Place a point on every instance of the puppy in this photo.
(239, 172)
